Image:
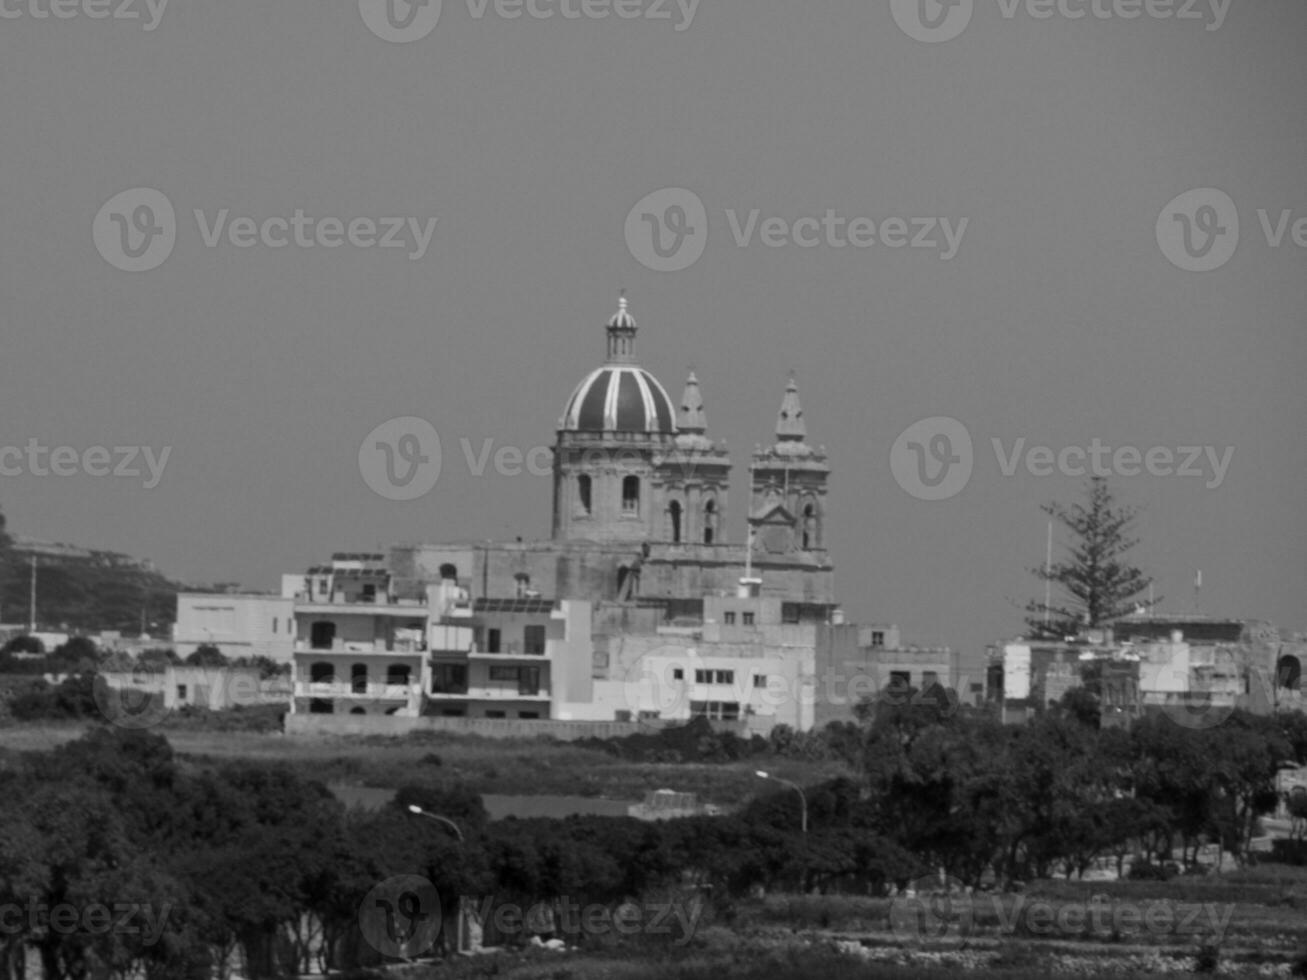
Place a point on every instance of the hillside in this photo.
(81, 589)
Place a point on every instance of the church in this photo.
(641, 511)
(640, 606)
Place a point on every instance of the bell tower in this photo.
(788, 481)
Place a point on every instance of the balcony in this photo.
(369, 692)
(510, 651)
(488, 694)
(362, 646)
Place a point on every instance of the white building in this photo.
(245, 625)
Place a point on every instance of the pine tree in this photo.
(1096, 585)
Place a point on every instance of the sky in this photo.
(1087, 299)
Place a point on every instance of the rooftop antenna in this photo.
(31, 599)
(1198, 589)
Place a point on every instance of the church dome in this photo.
(621, 396)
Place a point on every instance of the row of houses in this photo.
(363, 640)
(1195, 668)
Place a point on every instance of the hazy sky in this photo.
(1059, 320)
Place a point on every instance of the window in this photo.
(492, 641)
(583, 487)
(929, 679)
(631, 494)
(789, 612)
(181, 692)
(809, 526)
(759, 680)
(729, 618)
(358, 678)
(900, 679)
(678, 674)
(322, 635)
(504, 673)
(709, 521)
(369, 592)
(714, 677)
(496, 714)
(533, 640)
(397, 674)
(449, 679)
(523, 584)
(674, 520)
(716, 710)
(448, 573)
(529, 715)
(748, 619)
(321, 673)
(454, 713)
(320, 707)
(274, 624)
(878, 638)
(529, 681)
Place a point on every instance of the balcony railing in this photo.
(362, 646)
(338, 689)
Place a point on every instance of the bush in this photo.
(1147, 871)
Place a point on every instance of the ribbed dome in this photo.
(619, 398)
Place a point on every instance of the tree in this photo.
(207, 655)
(1097, 585)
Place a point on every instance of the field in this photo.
(842, 937)
(517, 767)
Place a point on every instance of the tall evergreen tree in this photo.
(1094, 585)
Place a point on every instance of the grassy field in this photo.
(521, 767)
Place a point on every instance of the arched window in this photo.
(321, 673)
(809, 526)
(583, 488)
(1288, 672)
(674, 520)
(358, 711)
(709, 522)
(448, 572)
(631, 494)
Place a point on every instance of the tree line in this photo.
(260, 867)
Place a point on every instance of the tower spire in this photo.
(691, 417)
(790, 426)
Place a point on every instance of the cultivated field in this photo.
(518, 767)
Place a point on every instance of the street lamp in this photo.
(803, 800)
(462, 918)
(414, 808)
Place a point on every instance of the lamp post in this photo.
(803, 800)
(418, 811)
